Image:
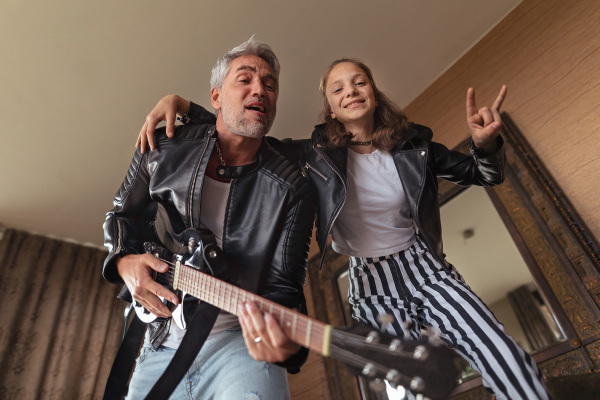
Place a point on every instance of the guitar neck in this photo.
(305, 331)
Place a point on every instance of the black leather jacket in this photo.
(419, 162)
(268, 219)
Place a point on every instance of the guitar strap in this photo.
(197, 331)
(195, 335)
(124, 360)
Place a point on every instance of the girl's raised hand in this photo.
(485, 122)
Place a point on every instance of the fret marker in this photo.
(308, 333)
(294, 325)
(326, 340)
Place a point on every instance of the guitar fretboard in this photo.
(303, 330)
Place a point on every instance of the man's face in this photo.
(247, 101)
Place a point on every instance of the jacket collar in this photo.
(415, 130)
(337, 155)
(233, 172)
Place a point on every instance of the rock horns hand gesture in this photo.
(485, 122)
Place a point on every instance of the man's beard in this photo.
(234, 121)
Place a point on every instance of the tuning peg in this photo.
(384, 320)
(393, 376)
(421, 397)
(433, 335)
(369, 370)
(395, 345)
(420, 353)
(372, 337)
(417, 384)
(377, 385)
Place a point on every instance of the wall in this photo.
(548, 53)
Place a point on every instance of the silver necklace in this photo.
(219, 154)
(220, 168)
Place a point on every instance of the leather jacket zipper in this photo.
(307, 166)
(119, 237)
(194, 177)
(330, 164)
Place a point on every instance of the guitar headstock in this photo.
(427, 368)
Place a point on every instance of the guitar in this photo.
(429, 369)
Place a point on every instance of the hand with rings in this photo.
(265, 338)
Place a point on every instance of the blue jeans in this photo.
(222, 370)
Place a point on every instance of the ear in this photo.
(332, 114)
(215, 98)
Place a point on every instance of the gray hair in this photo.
(250, 47)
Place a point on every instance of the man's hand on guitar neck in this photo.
(136, 271)
(265, 339)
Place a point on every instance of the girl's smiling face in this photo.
(350, 95)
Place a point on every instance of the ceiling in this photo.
(78, 79)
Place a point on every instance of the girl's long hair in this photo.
(391, 124)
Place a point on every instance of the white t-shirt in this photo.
(375, 219)
(212, 214)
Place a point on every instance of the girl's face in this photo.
(350, 95)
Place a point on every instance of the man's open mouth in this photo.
(256, 107)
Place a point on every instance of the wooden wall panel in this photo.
(548, 53)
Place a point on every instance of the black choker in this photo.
(355, 143)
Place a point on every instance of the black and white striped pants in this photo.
(418, 291)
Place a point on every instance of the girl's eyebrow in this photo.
(353, 77)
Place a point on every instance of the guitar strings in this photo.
(208, 285)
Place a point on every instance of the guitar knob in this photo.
(395, 345)
(393, 376)
(212, 254)
(417, 384)
(420, 353)
(191, 245)
(372, 337)
(369, 370)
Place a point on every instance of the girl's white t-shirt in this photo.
(375, 219)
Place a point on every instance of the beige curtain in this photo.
(60, 323)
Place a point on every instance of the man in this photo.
(222, 175)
